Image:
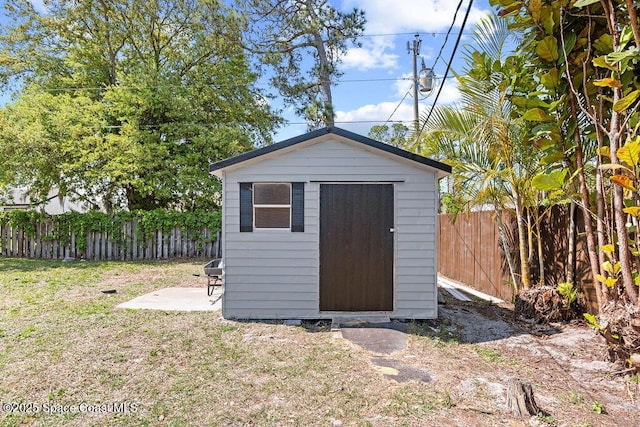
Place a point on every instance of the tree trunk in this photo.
(324, 73)
(615, 142)
(506, 249)
(601, 214)
(570, 268)
(520, 399)
(586, 212)
(542, 276)
(624, 256)
(522, 245)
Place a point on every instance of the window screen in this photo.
(272, 205)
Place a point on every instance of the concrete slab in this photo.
(177, 299)
(379, 340)
(399, 371)
(450, 284)
(349, 321)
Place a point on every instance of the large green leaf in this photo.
(583, 3)
(535, 9)
(630, 152)
(570, 42)
(550, 80)
(547, 49)
(548, 22)
(549, 181)
(601, 61)
(607, 82)
(536, 115)
(625, 36)
(603, 44)
(612, 166)
(536, 102)
(615, 57)
(626, 102)
(552, 158)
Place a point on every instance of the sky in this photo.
(376, 85)
(378, 75)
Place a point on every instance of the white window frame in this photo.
(255, 206)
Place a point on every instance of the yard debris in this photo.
(620, 326)
(544, 304)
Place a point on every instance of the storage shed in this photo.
(329, 224)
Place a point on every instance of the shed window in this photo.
(272, 205)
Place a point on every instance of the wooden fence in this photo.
(176, 243)
(470, 251)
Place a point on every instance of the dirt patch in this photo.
(468, 355)
(566, 363)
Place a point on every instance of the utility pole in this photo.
(413, 48)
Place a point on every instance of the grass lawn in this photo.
(68, 357)
(62, 343)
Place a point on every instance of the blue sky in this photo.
(377, 76)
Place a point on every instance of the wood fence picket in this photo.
(127, 246)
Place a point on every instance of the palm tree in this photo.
(486, 144)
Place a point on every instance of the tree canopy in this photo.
(302, 42)
(125, 103)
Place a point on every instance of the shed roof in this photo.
(441, 167)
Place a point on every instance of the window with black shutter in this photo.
(272, 206)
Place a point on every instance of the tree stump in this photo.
(520, 398)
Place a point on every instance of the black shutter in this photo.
(246, 207)
(297, 207)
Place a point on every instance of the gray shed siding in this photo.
(275, 274)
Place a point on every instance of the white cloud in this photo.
(378, 113)
(402, 17)
(384, 17)
(39, 6)
(403, 84)
(361, 119)
(374, 53)
(450, 93)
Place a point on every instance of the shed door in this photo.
(356, 247)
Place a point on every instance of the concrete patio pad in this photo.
(377, 338)
(177, 299)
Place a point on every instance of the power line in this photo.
(453, 22)
(216, 85)
(226, 123)
(397, 106)
(426, 33)
(455, 48)
(414, 49)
